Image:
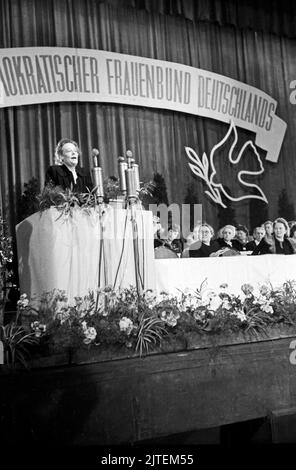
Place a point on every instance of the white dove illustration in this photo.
(205, 169)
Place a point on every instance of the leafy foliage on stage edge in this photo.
(5, 261)
(66, 200)
(150, 322)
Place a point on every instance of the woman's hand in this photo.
(219, 252)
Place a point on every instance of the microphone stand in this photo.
(139, 285)
(99, 192)
(132, 195)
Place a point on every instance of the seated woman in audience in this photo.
(228, 234)
(241, 238)
(268, 226)
(174, 239)
(292, 238)
(259, 245)
(281, 244)
(206, 245)
(226, 245)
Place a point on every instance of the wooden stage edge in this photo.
(101, 401)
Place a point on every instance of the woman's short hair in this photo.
(205, 224)
(231, 227)
(268, 222)
(281, 220)
(292, 230)
(242, 228)
(258, 226)
(59, 150)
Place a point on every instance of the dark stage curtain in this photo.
(236, 39)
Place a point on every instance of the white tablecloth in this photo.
(58, 252)
(173, 275)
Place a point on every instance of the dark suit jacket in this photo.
(238, 245)
(263, 248)
(204, 251)
(223, 244)
(60, 175)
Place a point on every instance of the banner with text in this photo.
(48, 74)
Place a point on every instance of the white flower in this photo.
(150, 298)
(38, 328)
(190, 301)
(267, 308)
(126, 325)
(226, 304)
(169, 318)
(23, 302)
(265, 304)
(240, 315)
(90, 333)
(61, 306)
(215, 302)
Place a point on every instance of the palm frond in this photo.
(151, 330)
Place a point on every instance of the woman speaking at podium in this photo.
(66, 172)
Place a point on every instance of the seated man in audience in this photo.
(174, 239)
(241, 238)
(66, 173)
(259, 245)
(157, 231)
(167, 244)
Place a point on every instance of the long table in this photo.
(175, 275)
(80, 252)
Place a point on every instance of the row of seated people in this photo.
(269, 238)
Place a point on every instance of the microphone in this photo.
(96, 157)
(130, 159)
(97, 174)
(122, 165)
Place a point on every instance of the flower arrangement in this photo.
(5, 259)
(65, 200)
(148, 322)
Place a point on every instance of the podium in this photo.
(80, 252)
